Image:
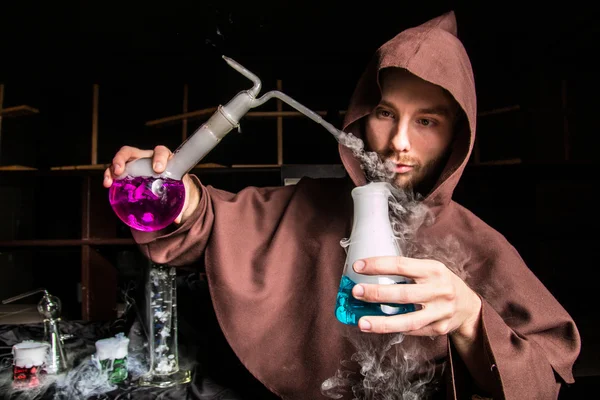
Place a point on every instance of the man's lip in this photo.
(402, 168)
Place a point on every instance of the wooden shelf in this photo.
(510, 161)
(66, 242)
(92, 170)
(87, 167)
(209, 111)
(17, 168)
(277, 114)
(266, 166)
(184, 116)
(18, 111)
(500, 110)
(212, 168)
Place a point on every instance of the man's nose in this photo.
(400, 140)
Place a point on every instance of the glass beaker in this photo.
(111, 357)
(29, 361)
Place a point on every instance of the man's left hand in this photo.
(447, 304)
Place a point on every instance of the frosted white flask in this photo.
(372, 235)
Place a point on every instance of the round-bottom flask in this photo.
(146, 203)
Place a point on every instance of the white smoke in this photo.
(391, 367)
(394, 366)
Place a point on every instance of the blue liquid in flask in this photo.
(348, 309)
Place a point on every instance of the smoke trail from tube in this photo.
(394, 366)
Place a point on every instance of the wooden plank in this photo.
(255, 166)
(16, 168)
(99, 167)
(96, 90)
(104, 166)
(188, 115)
(86, 274)
(500, 110)
(250, 114)
(18, 111)
(209, 165)
(80, 167)
(279, 114)
(510, 161)
(98, 277)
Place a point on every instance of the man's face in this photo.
(412, 126)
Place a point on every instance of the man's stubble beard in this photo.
(421, 179)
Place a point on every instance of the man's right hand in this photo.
(160, 155)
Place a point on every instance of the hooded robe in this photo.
(273, 259)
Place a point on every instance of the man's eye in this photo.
(425, 122)
(384, 113)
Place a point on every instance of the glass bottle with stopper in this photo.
(147, 201)
(50, 309)
(371, 236)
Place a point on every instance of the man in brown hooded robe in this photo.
(486, 325)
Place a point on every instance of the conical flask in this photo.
(372, 236)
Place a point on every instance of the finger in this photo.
(409, 323)
(160, 158)
(107, 182)
(399, 293)
(126, 154)
(439, 328)
(413, 268)
(432, 330)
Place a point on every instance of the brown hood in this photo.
(433, 52)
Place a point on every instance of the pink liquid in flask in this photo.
(144, 209)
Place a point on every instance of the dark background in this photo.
(538, 58)
(141, 54)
